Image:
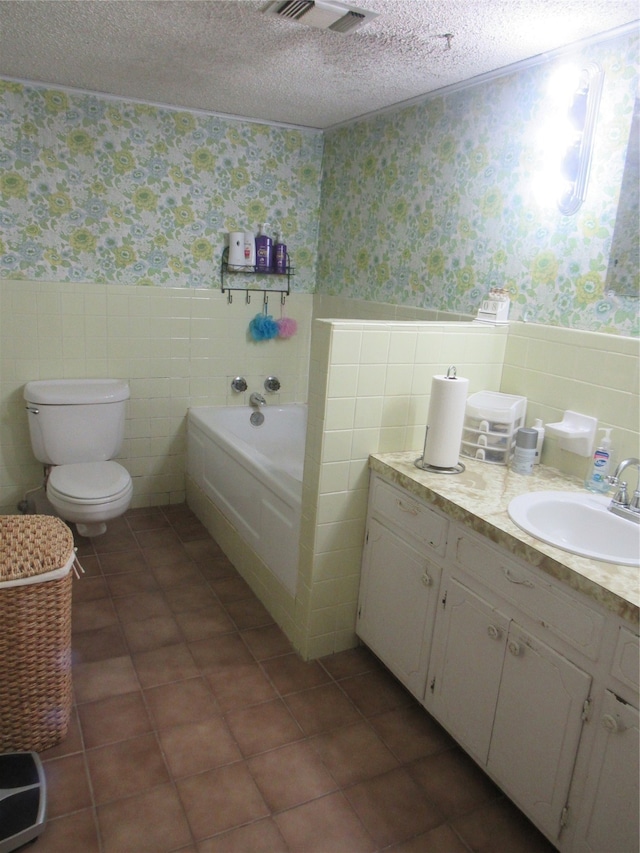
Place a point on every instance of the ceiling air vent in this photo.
(321, 13)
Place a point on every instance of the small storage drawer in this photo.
(490, 425)
(541, 599)
(411, 515)
(626, 659)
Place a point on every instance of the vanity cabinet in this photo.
(515, 704)
(610, 822)
(405, 543)
(536, 681)
(608, 817)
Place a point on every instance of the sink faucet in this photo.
(257, 400)
(620, 503)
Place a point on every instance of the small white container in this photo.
(539, 428)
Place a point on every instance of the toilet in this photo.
(77, 427)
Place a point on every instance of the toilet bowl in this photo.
(76, 427)
(89, 494)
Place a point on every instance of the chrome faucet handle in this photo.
(634, 506)
(272, 383)
(621, 497)
(239, 384)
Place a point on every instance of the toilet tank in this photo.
(76, 420)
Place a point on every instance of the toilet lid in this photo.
(90, 481)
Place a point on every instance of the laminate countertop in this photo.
(479, 496)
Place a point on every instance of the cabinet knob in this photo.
(494, 632)
(611, 724)
(514, 648)
(426, 579)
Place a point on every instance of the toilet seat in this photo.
(89, 483)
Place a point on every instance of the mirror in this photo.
(623, 274)
(581, 122)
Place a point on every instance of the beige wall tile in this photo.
(51, 330)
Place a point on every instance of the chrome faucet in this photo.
(620, 503)
(257, 400)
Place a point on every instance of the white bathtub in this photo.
(253, 474)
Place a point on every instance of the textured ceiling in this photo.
(226, 56)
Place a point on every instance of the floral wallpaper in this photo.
(94, 189)
(436, 203)
(427, 206)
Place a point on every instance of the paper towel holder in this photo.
(458, 468)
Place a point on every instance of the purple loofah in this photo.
(263, 327)
(287, 327)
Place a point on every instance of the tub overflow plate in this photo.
(257, 418)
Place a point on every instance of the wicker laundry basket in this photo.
(36, 557)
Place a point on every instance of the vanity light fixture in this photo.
(576, 160)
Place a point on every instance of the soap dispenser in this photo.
(597, 480)
(264, 250)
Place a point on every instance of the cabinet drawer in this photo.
(540, 598)
(411, 515)
(626, 659)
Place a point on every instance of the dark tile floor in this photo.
(197, 728)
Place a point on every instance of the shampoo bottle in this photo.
(597, 480)
(280, 256)
(264, 250)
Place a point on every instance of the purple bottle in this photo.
(280, 257)
(264, 250)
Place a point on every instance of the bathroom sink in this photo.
(578, 523)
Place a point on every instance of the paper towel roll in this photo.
(445, 421)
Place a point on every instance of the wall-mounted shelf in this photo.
(253, 280)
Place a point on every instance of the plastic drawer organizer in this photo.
(490, 424)
(36, 558)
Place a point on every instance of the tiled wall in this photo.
(369, 388)
(177, 347)
(369, 391)
(595, 374)
(346, 308)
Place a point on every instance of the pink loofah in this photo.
(287, 327)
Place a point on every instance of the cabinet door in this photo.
(396, 608)
(465, 679)
(613, 824)
(536, 731)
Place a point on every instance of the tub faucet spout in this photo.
(257, 400)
